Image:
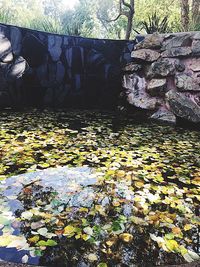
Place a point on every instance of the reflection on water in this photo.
(106, 194)
(58, 187)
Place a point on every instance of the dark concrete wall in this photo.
(44, 69)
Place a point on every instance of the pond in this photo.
(94, 189)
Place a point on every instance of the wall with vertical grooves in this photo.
(44, 69)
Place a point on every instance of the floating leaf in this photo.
(193, 255)
(4, 220)
(102, 264)
(34, 239)
(88, 230)
(187, 227)
(176, 230)
(48, 243)
(51, 243)
(92, 257)
(25, 259)
(18, 242)
(69, 231)
(126, 237)
(171, 245)
(27, 215)
(36, 225)
(43, 231)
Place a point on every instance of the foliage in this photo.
(46, 24)
(6, 16)
(90, 18)
(145, 202)
(80, 21)
(156, 24)
(169, 8)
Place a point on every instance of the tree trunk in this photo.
(125, 9)
(185, 9)
(196, 11)
(129, 25)
(130, 15)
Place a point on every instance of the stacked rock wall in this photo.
(164, 77)
(44, 69)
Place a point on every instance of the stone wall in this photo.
(164, 77)
(43, 69)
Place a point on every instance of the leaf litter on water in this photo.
(131, 196)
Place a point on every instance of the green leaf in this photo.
(43, 231)
(41, 243)
(187, 257)
(4, 220)
(102, 264)
(27, 215)
(51, 243)
(193, 255)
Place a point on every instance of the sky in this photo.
(70, 3)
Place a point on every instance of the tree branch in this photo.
(130, 6)
(126, 4)
(111, 20)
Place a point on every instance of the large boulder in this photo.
(164, 115)
(194, 64)
(177, 52)
(185, 82)
(196, 47)
(183, 107)
(196, 36)
(162, 68)
(137, 96)
(157, 87)
(181, 40)
(132, 67)
(151, 41)
(145, 55)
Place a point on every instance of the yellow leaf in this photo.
(69, 230)
(5, 240)
(100, 209)
(111, 241)
(126, 237)
(78, 236)
(85, 237)
(187, 227)
(183, 250)
(120, 173)
(171, 245)
(176, 230)
(139, 184)
(83, 209)
(34, 239)
(116, 203)
(137, 198)
(92, 257)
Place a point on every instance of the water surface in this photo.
(92, 189)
